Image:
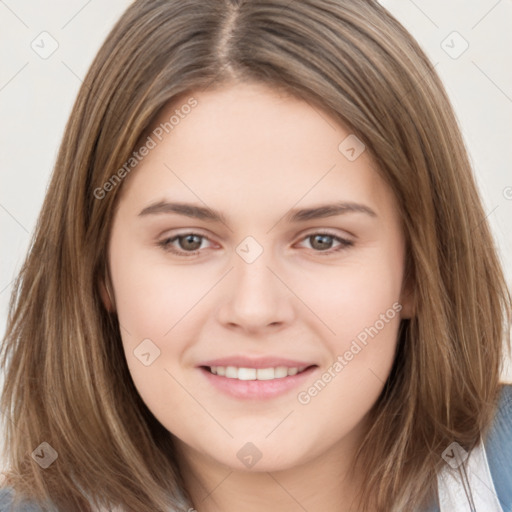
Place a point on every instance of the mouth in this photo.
(248, 383)
(245, 374)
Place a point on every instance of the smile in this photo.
(247, 383)
(233, 372)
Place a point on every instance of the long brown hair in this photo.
(66, 378)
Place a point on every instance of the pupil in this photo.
(189, 239)
(325, 241)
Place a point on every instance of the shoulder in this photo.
(499, 437)
(6, 499)
(498, 447)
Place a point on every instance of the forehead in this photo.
(248, 142)
(254, 116)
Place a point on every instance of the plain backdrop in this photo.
(47, 47)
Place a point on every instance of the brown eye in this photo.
(323, 243)
(189, 242)
(186, 244)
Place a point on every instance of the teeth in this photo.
(266, 374)
(280, 372)
(247, 373)
(232, 372)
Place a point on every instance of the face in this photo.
(259, 324)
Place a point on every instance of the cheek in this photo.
(360, 358)
(152, 303)
(151, 297)
(354, 295)
(359, 304)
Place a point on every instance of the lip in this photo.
(256, 389)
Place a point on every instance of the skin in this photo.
(253, 154)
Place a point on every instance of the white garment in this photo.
(452, 481)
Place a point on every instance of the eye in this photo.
(322, 242)
(190, 244)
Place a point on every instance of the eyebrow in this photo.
(293, 216)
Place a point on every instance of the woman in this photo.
(332, 339)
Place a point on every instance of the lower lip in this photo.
(257, 389)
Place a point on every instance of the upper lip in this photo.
(256, 362)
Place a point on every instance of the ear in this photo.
(107, 296)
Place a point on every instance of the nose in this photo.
(256, 297)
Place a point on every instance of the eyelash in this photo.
(166, 243)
